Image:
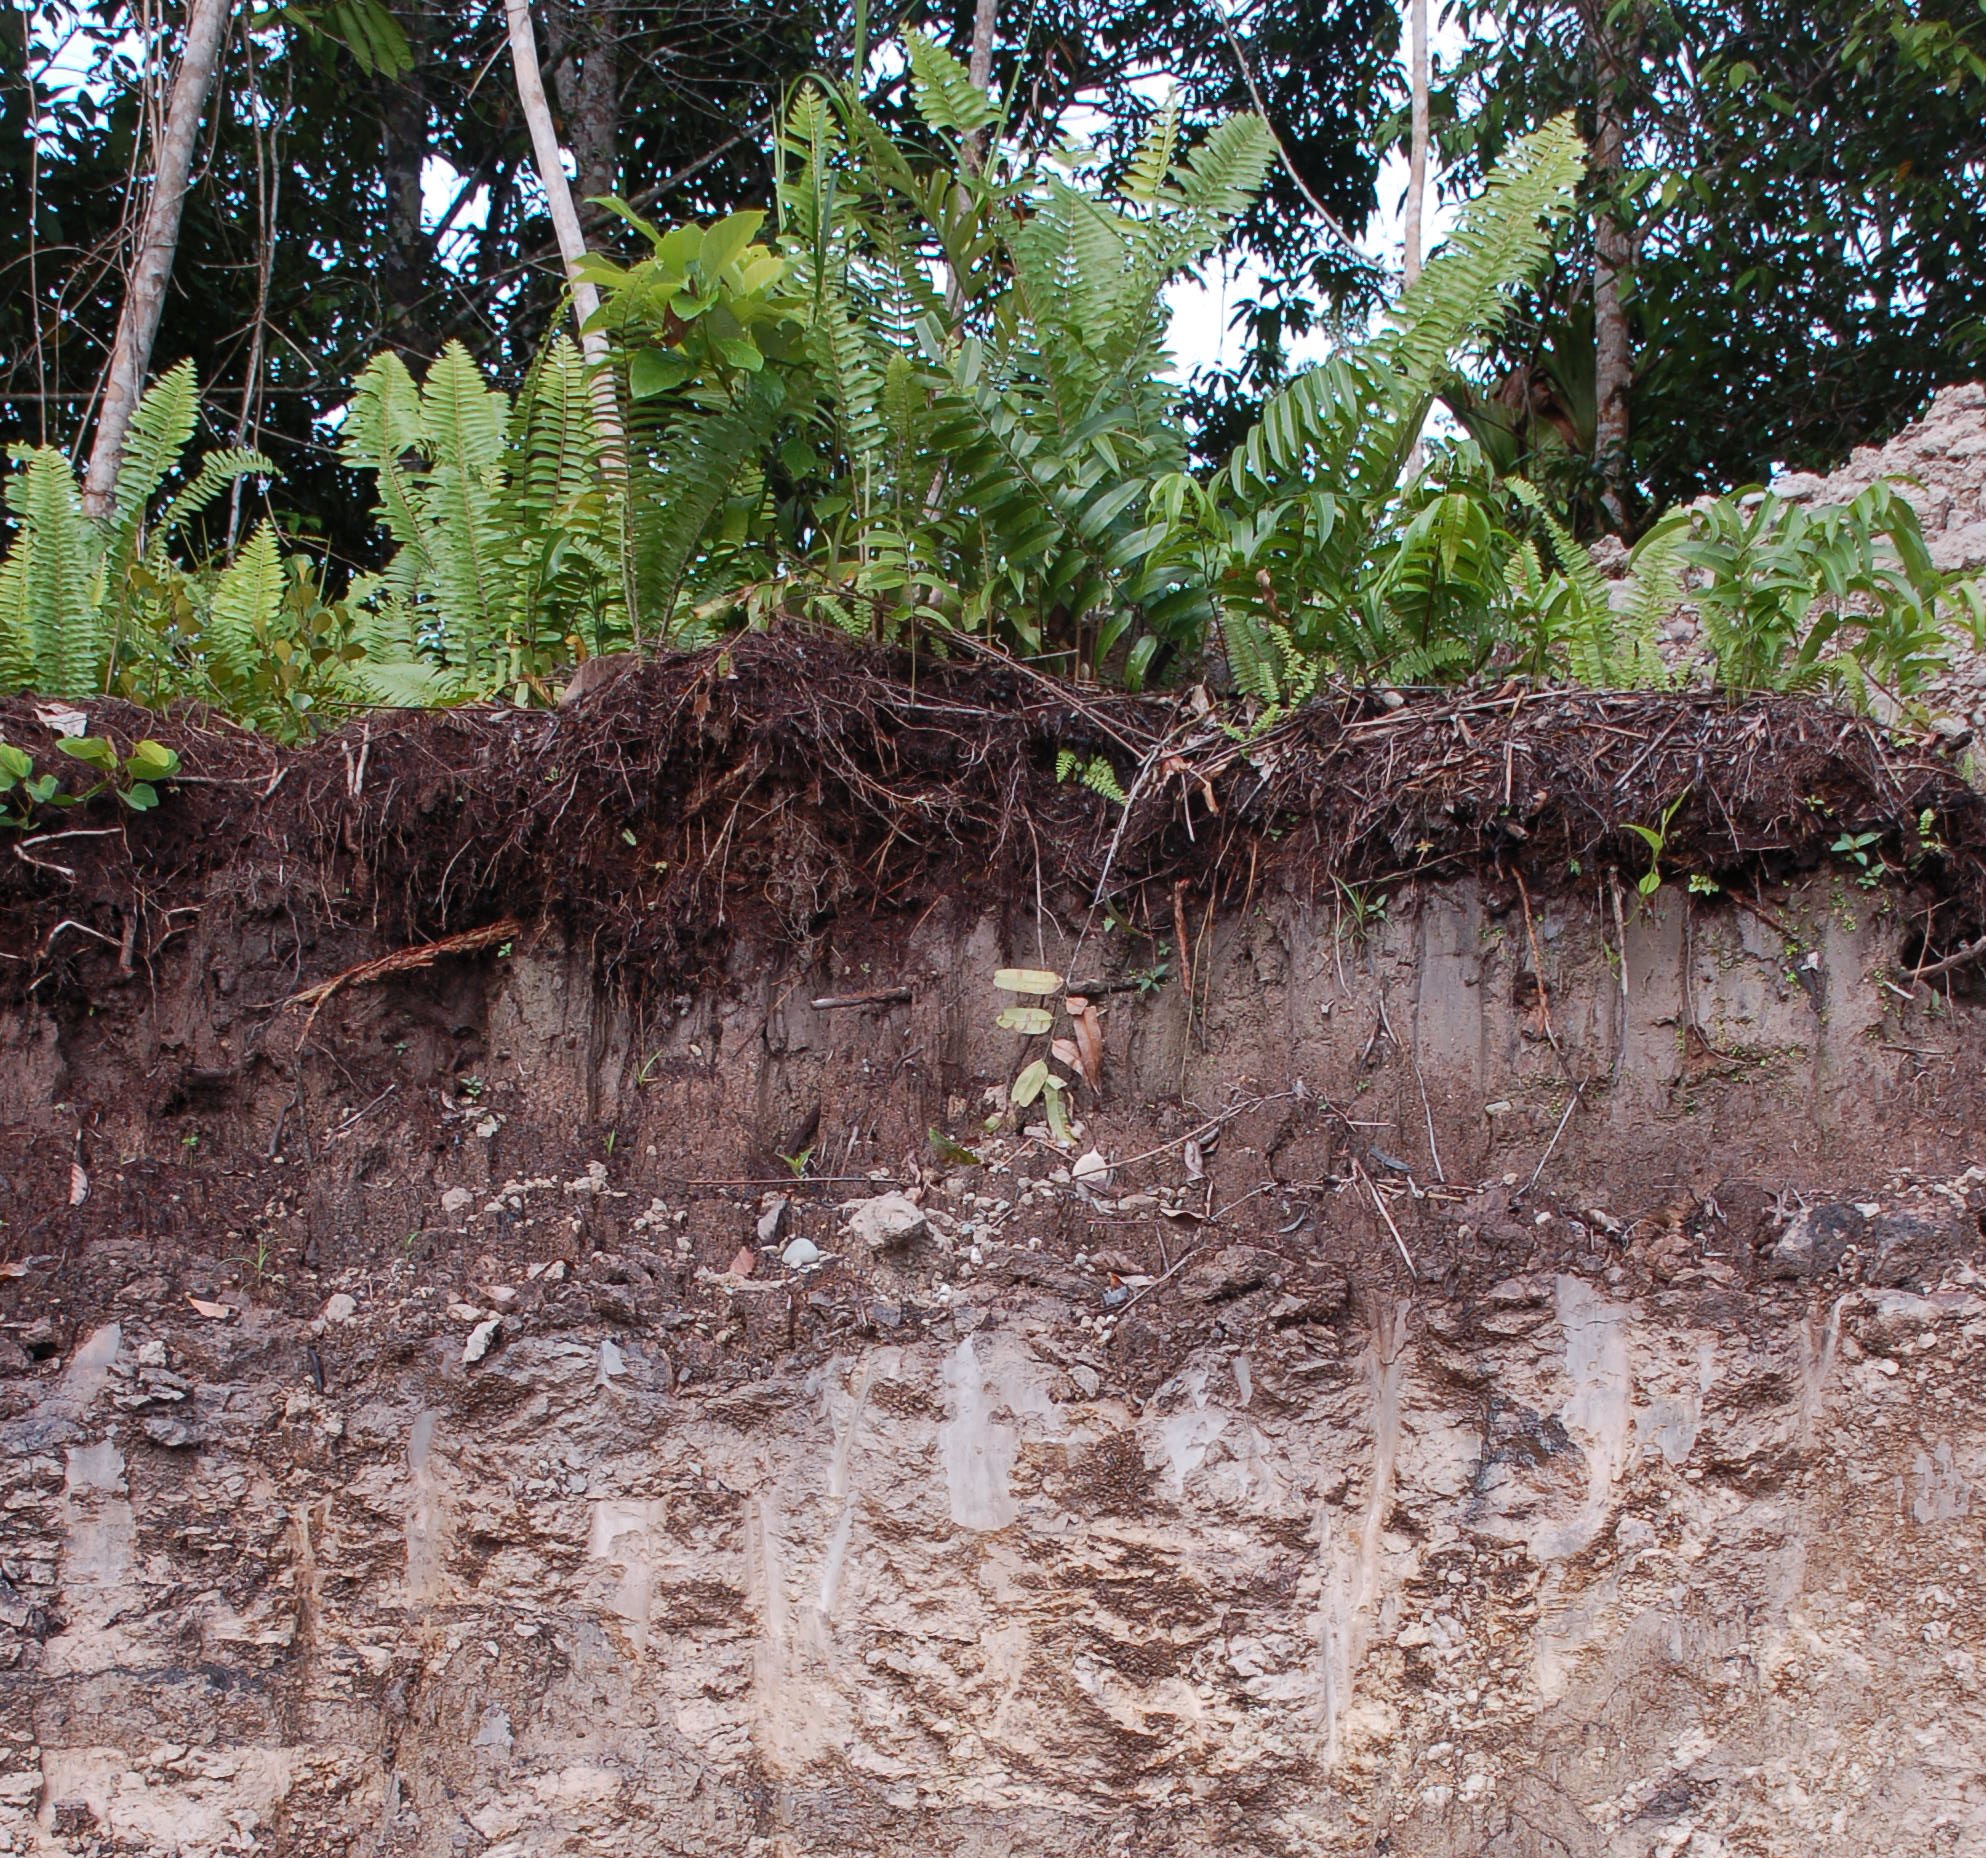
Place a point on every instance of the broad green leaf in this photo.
(1053, 1103)
(1030, 1083)
(727, 240)
(655, 371)
(91, 748)
(151, 761)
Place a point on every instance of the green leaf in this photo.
(140, 796)
(93, 749)
(151, 761)
(727, 240)
(656, 371)
(1027, 981)
(1055, 1104)
(621, 210)
(1031, 1021)
(952, 1154)
(1030, 1083)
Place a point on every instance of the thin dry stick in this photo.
(1365, 1180)
(1620, 946)
(1957, 959)
(1551, 1145)
(1537, 962)
(1434, 1154)
(1317, 206)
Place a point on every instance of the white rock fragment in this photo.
(800, 1253)
(772, 1222)
(889, 1222)
(340, 1308)
(456, 1201)
(481, 1340)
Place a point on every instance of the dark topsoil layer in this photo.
(789, 781)
(773, 795)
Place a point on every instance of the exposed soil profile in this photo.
(529, 1321)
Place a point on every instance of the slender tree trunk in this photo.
(1613, 275)
(158, 240)
(1417, 146)
(979, 68)
(587, 80)
(549, 159)
(404, 126)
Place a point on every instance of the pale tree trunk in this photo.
(979, 68)
(1417, 145)
(158, 240)
(1613, 275)
(550, 162)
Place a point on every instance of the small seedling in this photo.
(798, 1163)
(1095, 773)
(1656, 838)
(133, 779)
(1863, 850)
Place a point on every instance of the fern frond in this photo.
(944, 93)
(217, 471)
(50, 604)
(161, 425)
(701, 457)
(1151, 167)
(246, 600)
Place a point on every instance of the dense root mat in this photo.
(788, 780)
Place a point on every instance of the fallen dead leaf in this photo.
(1089, 1045)
(215, 1312)
(79, 1184)
(745, 1262)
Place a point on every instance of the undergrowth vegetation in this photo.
(930, 400)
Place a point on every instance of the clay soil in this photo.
(255, 1036)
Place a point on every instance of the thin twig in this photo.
(1379, 1203)
(1551, 1145)
(1317, 206)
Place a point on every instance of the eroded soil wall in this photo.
(1495, 1371)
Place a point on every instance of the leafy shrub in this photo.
(1844, 597)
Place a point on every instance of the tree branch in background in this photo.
(158, 240)
(1417, 148)
(1317, 206)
